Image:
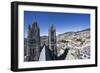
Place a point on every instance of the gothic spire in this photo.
(29, 28)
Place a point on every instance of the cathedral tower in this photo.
(33, 42)
(52, 41)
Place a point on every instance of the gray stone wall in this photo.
(52, 40)
(33, 43)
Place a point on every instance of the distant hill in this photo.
(70, 33)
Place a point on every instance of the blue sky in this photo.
(63, 22)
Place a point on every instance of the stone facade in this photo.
(33, 43)
(52, 40)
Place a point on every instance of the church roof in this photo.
(45, 53)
